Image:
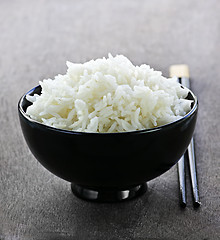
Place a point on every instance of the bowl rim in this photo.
(70, 132)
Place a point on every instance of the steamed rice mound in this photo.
(109, 95)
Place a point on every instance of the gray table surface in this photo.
(36, 39)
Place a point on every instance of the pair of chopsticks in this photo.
(181, 71)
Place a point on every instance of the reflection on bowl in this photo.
(108, 166)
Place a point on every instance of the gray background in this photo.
(36, 39)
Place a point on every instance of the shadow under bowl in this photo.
(107, 167)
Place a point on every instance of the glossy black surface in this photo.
(108, 194)
(107, 160)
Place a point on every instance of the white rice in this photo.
(109, 95)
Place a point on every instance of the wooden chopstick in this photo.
(182, 72)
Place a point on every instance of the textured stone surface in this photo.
(36, 38)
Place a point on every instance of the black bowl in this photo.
(108, 166)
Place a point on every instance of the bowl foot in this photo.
(108, 195)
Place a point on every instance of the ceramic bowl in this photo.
(107, 167)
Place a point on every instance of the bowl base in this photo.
(108, 195)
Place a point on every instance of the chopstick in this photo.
(182, 72)
(192, 167)
(182, 182)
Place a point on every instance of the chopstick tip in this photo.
(196, 204)
(183, 205)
